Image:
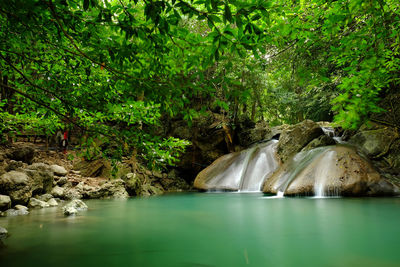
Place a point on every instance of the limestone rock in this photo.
(133, 184)
(14, 212)
(323, 140)
(45, 197)
(58, 170)
(295, 137)
(114, 189)
(74, 206)
(69, 211)
(58, 192)
(52, 202)
(336, 170)
(36, 203)
(374, 143)
(17, 185)
(20, 207)
(24, 154)
(5, 202)
(62, 181)
(96, 168)
(14, 165)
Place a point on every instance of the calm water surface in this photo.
(209, 230)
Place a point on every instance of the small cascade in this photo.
(329, 131)
(243, 171)
(323, 171)
(259, 166)
(299, 163)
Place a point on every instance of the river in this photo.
(209, 229)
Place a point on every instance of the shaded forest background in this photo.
(116, 71)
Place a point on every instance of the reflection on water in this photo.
(209, 230)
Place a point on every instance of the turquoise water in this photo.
(210, 230)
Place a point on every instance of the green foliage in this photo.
(113, 68)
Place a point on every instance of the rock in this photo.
(250, 133)
(14, 165)
(5, 202)
(114, 189)
(3, 234)
(45, 197)
(58, 170)
(173, 182)
(62, 181)
(14, 212)
(133, 184)
(295, 137)
(96, 168)
(41, 181)
(336, 170)
(70, 211)
(323, 140)
(73, 193)
(21, 207)
(36, 203)
(58, 192)
(17, 185)
(149, 190)
(74, 206)
(24, 154)
(374, 143)
(52, 202)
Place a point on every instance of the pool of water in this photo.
(209, 229)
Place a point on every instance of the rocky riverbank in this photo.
(30, 179)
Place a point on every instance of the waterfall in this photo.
(243, 171)
(298, 164)
(323, 170)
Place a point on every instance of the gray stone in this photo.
(58, 192)
(69, 211)
(58, 170)
(295, 137)
(62, 181)
(5, 202)
(21, 207)
(13, 165)
(52, 202)
(36, 203)
(323, 140)
(17, 185)
(374, 143)
(73, 193)
(74, 206)
(14, 212)
(24, 154)
(45, 197)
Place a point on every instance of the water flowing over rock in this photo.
(328, 171)
(243, 171)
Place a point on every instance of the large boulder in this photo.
(17, 185)
(58, 170)
(24, 154)
(295, 137)
(58, 192)
(375, 141)
(323, 140)
(114, 189)
(334, 170)
(36, 203)
(5, 202)
(95, 168)
(14, 212)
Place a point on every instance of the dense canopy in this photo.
(115, 69)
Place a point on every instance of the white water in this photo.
(322, 173)
(245, 171)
